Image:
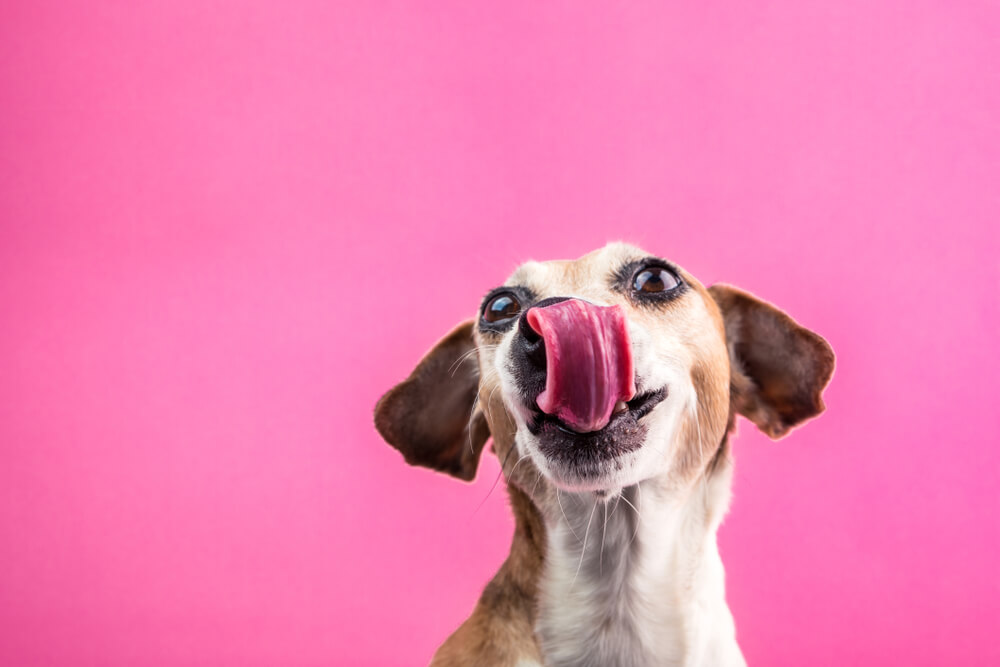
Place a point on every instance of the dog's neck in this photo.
(637, 579)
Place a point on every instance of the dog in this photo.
(610, 386)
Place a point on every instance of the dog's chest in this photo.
(631, 592)
(606, 594)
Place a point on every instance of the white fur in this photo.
(644, 587)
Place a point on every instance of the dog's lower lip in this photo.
(638, 407)
(592, 455)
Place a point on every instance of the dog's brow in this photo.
(523, 273)
(623, 273)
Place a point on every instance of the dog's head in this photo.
(603, 372)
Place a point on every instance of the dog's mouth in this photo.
(587, 453)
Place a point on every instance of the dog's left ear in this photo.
(778, 368)
(429, 416)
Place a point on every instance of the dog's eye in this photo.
(655, 279)
(501, 307)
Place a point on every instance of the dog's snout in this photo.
(575, 360)
(528, 352)
(530, 338)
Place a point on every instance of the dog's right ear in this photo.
(430, 416)
(778, 367)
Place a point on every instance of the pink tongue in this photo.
(588, 362)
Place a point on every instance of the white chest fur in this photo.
(636, 581)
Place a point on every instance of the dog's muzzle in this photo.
(574, 360)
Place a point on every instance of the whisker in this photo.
(538, 478)
(489, 402)
(638, 517)
(568, 522)
(475, 350)
(638, 514)
(583, 549)
(476, 401)
(604, 534)
(495, 482)
(472, 415)
(511, 473)
(618, 499)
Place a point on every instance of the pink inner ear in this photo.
(588, 362)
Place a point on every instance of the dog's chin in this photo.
(597, 461)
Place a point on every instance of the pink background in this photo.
(228, 227)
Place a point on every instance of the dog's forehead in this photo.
(594, 267)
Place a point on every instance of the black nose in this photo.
(530, 339)
(528, 353)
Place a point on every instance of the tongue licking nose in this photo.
(588, 362)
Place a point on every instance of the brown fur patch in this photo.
(429, 417)
(779, 369)
(500, 632)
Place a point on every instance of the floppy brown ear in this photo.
(429, 416)
(778, 368)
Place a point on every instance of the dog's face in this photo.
(602, 364)
(602, 372)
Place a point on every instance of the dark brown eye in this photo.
(501, 307)
(655, 279)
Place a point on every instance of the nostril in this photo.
(531, 341)
(526, 330)
(528, 325)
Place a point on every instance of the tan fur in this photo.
(501, 629)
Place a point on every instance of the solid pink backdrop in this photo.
(227, 228)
